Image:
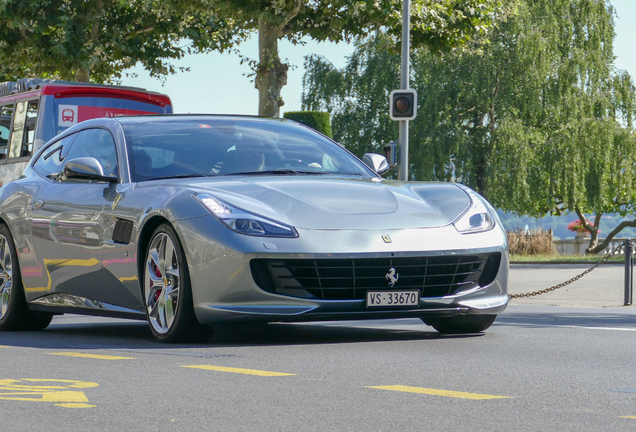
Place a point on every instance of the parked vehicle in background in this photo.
(32, 111)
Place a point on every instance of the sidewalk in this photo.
(603, 287)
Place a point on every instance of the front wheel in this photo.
(167, 291)
(14, 312)
(462, 324)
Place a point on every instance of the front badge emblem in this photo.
(386, 239)
(392, 277)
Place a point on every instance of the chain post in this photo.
(629, 272)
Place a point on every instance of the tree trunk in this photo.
(611, 235)
(592, 229)
(271, 74)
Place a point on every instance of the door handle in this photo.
(39, 203)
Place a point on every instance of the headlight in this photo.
(243, 222)
(477, 219)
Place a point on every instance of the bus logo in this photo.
(67, 115)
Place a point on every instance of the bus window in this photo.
(23, 133)
(29, 128)
(17, 135)
(5, 127)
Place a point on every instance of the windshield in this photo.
(222, 146)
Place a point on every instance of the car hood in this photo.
(340, 203)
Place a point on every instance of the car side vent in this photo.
(123, 231)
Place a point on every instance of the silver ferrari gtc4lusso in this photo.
(193, 221)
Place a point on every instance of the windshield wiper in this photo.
(180, 176)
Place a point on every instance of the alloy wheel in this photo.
(162, 283)
(6, 276)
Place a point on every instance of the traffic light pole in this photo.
(403, 171)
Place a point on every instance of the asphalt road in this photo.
(537, 368)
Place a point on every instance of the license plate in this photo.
(393, 298)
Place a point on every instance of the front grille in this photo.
(349, 279)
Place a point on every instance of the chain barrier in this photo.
(607, 256)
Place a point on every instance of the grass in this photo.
(562, 258)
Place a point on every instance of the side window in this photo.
(6, 112)
(29, 128)
(17, 134)
(23, 135)
(50, 162)
(98, 144)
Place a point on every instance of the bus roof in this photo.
(68, 88)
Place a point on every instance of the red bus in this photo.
(32, 111)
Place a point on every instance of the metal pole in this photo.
(403, 171)
(629, 272)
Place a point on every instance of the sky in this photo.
(216, 83)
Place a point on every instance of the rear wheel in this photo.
(461, 324)
(14, 312)
(167, 291)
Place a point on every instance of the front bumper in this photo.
(224, 289)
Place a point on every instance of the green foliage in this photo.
(318, 120)
(538, 120)
(439, 25)
(97, 40)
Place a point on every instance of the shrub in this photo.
(317, 120)
(533, 242)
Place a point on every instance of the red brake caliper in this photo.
(158, 274)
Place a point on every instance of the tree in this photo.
(96, 40)
(437, 24)
(538, 120)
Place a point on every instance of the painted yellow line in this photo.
(435, 392)
(238, 370)
(62, 396)
(75, 405)
(629, 417)
(94, 356)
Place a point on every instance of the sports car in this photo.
(190, 222)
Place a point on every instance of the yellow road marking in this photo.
(238, 370)
(75, 405)
(94, 356)
(30, 393)
(61, 396)
(11, 384)
(629, 417)
(435, 392)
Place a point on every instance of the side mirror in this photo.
(85, 168)
(376, 162)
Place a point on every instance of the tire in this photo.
(167, 291)
(463, 324)
(14, 311)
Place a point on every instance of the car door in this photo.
(67, 225)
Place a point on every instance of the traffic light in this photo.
(403, 104)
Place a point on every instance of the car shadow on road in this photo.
(137, 335)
